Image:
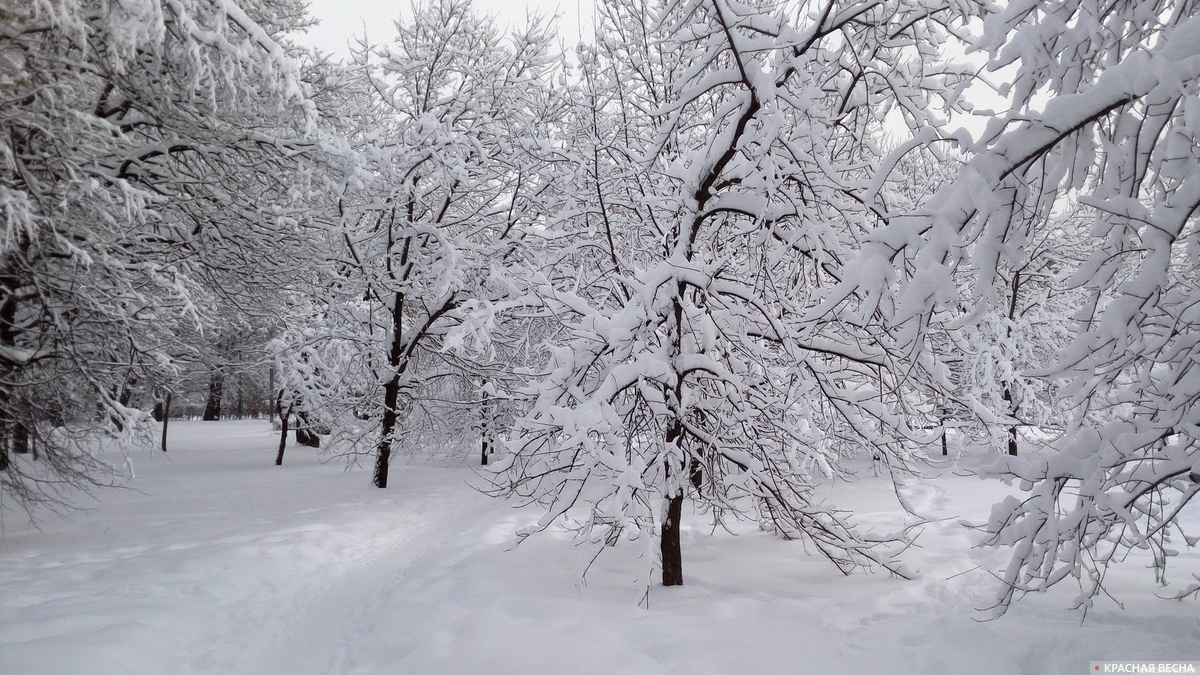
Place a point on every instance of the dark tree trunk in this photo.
(1008, 393)
(241, 401)
(157, 411)
(944, 414)
(383, 457)
(166, 419)
(669, 546)
(1012, 430)
(672, 553)
(696, 473)
(283, 420)
(20, 439)
(9, 283)
(216, 388)
(485, 428)
(381, 463)
(391, 395)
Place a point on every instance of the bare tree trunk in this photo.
(283, 419)
(166, 419)
(20, 438)
(9, 283)
(485, 428)
(383, 457)
(669, 547)
(216, 388)
(672, 552)
(391, 395)
(1008, 393)
(1012, 429)
(943, 418)
(696, 474)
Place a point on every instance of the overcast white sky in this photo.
(341, 20)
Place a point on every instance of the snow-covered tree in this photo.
(143, 145)
(431, 222)
(1103, 109)
(707, 361)
(1003, 349)
(1122, 130)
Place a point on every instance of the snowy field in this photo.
(217, 561)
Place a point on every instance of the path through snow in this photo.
(220, 562)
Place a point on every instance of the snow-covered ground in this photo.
(217, 561)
